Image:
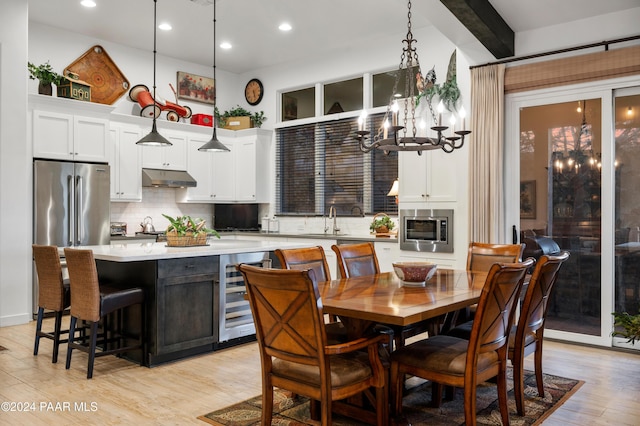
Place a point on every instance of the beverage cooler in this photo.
(233, 310)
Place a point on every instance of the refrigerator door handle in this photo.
(78, 214)
(71, 214)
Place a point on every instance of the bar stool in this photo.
(53, 294)
(91, 302)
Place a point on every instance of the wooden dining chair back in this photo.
(287, 312)
(91, 303)
(527, 335)
(308, 258)
(53, 294)
(355, 260)
(457, 362)
(481, 256)
(305, 258)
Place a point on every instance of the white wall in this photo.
(15, 167)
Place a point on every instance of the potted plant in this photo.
(381, 224)
(630, 324)
(45, 74)
(185, 231)
(256, 118)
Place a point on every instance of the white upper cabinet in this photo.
(126, 163)
(430, 177)
(172, 157)
(61, 136)
(238, 175)
(67, 129)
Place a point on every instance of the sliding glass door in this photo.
(627, 204)
(573, 158)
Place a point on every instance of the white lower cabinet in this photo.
(126, 163)
(387, 252)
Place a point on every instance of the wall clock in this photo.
(253, 91)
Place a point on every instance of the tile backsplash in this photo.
(155, 202)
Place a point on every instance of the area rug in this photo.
(416, 410)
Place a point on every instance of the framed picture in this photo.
(528, 199)
(196, 87)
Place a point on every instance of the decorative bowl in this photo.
(414, 272)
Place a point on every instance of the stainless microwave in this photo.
(426, 230)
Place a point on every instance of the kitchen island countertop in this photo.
(136, 251)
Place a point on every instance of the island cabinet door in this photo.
(185, 304)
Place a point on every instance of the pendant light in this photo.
(214, 145)
(154, 138)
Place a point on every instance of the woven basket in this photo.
(175, 240)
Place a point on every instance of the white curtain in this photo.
(486, 195)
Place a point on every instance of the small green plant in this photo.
(44, 73)
(257, 117)
(630, 324)
(381, 222)
(185, 225)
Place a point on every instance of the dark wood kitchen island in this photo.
(194, 297)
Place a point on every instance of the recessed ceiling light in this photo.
(225, 45)
(165, 26)
(284, 27)
(88, 3)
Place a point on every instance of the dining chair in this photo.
(457, 362)
(287, 312)
(307, 258)
(92, 302)
(358, 259)
(527, 336)
(480, 257)
(53, 294)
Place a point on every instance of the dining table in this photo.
(364, 301)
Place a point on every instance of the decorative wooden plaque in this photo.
(106, 80)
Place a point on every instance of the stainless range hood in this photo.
(167, 178)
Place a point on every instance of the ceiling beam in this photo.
(484, 22)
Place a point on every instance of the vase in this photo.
(45, 89)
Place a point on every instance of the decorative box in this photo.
(202, 119)
(238, 123)
(74, 88)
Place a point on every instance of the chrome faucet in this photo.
(333, 215)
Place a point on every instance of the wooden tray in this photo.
(106, 80)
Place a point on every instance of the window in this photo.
(319, 165)
(298, 104)
(343, 96)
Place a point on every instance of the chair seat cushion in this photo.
(345, 370)
(463, 331)
(529, 338)
(441, 353)
(112, 299)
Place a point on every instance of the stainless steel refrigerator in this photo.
(71, 205)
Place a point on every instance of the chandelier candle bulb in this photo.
(462, 113)
(394, 114)
(440, 110)
(385, 134)
(452, 121)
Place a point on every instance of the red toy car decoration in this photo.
(140, 94)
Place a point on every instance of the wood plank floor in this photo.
(122, 393)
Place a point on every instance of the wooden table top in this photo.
(383, 298)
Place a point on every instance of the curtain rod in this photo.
(604, 43)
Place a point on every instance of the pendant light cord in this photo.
(155, 26)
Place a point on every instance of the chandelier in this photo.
(407, 135)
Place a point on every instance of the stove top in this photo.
(238, 230)
(150, 233)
